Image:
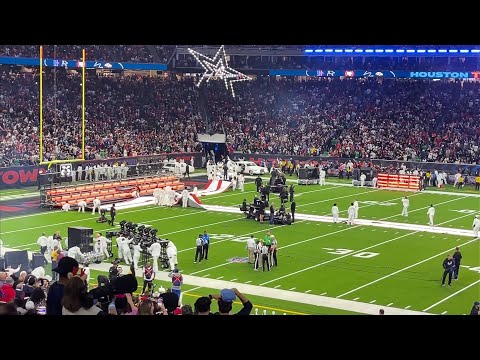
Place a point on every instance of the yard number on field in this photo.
(370, 202)
(363, 255)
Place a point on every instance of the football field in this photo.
(384, 261)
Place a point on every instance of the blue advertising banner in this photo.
(78, 64)
(388, 74)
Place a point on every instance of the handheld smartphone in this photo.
(41, 310)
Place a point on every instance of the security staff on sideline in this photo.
(457, 256)
(293, 206)
(199, 250)
(258, 182)
(448, 265)
(113, 213)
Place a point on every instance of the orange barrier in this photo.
(107, 192)
(395, 181)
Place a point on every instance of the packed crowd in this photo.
(34, 293)
(133, 115)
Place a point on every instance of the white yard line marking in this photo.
(371, 302)
(192, 289)
(248, 282)
(307, 291)
(220, 277)
(408, 307)
(213, 267)
(277, 286)
(405, 268)
(293, 288)
(323, 293)
(443, 313)
(390, 304)
(356, 299)
(80, 220)
(206, 275)
(233, 279)
(452, 295)
(350, 254)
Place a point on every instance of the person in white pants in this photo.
(81, 206)
(161, 197)
(96, 205)
(355, 205)
(127, 254)
(185, 198)
(66, 207)
(323, 174)
(137, 250)
(351, 214)
(241, 182)
(457, 176)
(476, 226)
(431, 214)
(335, 213)
(104, 246)
(119, 241)
(363, 177)
(406, 204)
(156, 196)
(374, 182)
(172, 255)
(234, 183)
(155, 250)
(171, 197)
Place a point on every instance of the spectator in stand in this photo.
(65, 266)
(225, 301)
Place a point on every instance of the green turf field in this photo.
(388, 267)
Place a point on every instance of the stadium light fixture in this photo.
(309, 51)
(464, 51)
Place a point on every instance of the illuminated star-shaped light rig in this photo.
(217, 67)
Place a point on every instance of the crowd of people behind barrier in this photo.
(133, 115)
